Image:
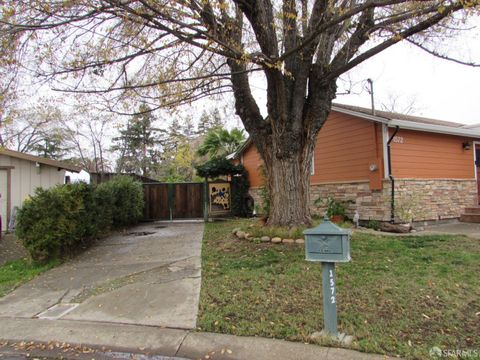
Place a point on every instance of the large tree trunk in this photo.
(286, 138)
(288, 184)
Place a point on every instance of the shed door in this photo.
(3, 198)
(477, 167)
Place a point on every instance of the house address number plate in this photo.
(398, 139)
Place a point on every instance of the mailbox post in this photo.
(328, 244)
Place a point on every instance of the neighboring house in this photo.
(21, 174)
(432, 165)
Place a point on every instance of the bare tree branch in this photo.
(442, 56)
(421, 26)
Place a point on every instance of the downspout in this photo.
(392, 179)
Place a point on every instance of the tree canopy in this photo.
(174, 51)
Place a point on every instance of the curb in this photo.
(175, 343)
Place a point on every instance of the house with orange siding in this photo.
(430, 169)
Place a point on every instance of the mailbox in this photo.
(327, 243)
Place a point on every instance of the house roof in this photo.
(403, 121)
(397, 116)
(409, 122)
(40, 160)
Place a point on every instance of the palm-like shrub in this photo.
(219, 142)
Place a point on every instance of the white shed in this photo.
(21, 174)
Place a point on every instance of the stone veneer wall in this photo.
(438, 199)
(422, 199)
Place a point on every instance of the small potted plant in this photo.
(335, 208)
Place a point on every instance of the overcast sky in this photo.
(439, 89)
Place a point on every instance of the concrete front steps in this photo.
(471, 215)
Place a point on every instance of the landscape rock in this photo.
(234, 231)
(265, 239)
(241, 234)
(395, 228)
(342, 339)
(276, 240)
(299, 241)
(288, 241)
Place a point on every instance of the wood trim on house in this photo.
(330, 183)
(423, 155)
(9, 195)
(363, 181)
(9, 192)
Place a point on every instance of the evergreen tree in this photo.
(175, 136)
(139, 144)
(51, 146)
(212, 120)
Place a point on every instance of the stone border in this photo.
(243, 235)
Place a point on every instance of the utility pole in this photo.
(372, 99)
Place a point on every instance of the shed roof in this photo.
(40, 160)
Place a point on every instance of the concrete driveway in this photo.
(149, 275)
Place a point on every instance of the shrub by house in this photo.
(58, 221)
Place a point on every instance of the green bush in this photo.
(372, 224)
(240, 186)
(128, 201)
(58, 221)
(105, 202)
(55, 221)
(333, 206)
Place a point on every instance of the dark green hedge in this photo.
(217, 167)
(125, 198)
(58, 221)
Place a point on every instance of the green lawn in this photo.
(17, 272)
(398, 296)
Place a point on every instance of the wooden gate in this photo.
(173, 201)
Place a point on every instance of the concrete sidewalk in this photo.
(150, 340)
(456, 228)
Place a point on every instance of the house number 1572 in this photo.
(332, 287)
